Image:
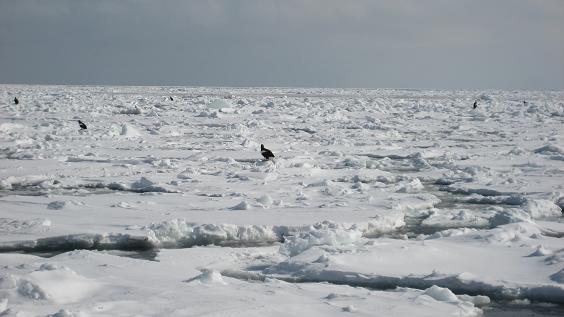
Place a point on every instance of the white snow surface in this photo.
(378, 203)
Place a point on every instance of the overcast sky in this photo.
(443, 44)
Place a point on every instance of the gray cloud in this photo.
(327, 43)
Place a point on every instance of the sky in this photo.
(420, 44)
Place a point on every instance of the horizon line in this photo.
(285, 87)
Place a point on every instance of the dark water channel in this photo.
(508, 309)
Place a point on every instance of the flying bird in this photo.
(266, 153)
(170, 98)
(16, 101)
(475, 104)
(82, 125)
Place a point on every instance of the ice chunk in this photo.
(265, 200)
(504, 217)
(478, 300)
(7, 127)
(62, 313)
(9, 225)
(143, 185)
(3, 305)
(178, 232)
(541, 208)
(209, 114)
(558, 277)
(129, 131)
(209, 276)
(227, 110)
(248, 143)
(323, 234)
(23, 181)
(485, 97)
(541, 251)
(60, 204)
(132, 110)
(28, 289)
(241, 206)
(7, 281)
(349, 308)
(219, 104)
(440, 218)
(550, 150)
(441, 294)
(411, 186)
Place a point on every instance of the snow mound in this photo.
(35, 225)
(7, 127)
(60, 285)
(60, 204)
(122, 204)
(517, 151)
(143, 185)
(381, 224)
(451, 233)
(444, 218)
(321, 183)
(513, 233)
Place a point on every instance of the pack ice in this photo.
(377, 203)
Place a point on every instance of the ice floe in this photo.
(407, 200)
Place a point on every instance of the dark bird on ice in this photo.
(16, 101)
(171, 98)
(266, 153)
(82, 125)
(475, 104)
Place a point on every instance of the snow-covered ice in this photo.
(378, 202)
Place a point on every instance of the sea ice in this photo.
(412, 192)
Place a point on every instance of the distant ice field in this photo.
(379, 202)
